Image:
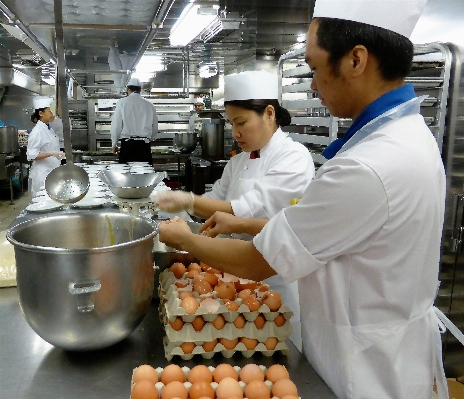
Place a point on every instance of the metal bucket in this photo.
(212, 138)
(9, 140)
(85, 280)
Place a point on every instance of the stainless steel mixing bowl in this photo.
(131, 185)
(85, 280)
(185, 142)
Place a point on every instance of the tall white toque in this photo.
(251, 85)
(42, 102)
(399, 16)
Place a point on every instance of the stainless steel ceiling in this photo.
(270, 28)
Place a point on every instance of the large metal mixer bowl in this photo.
(185, 142)
(85, 280)
(131, 185)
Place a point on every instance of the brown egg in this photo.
(173, 390)
(279, 320)
(251, 372)
(283, 387)
(172, 372)
(209, 346)
(271, 343)
(250, 343)
(277, 372)
(198, 277)
(240, 321)
(263, 288)
(213, 271)
(259, 321)
(200, 373)
(194, 266)
(190, 305)
(144, 389)
(228, 387)
(273, 300)
(244, 293)
(177, 323)
(224, 370)
(202, 287)
(229, 343)
(192, 273)
(178, 269)
(225, 291)
(145, 372)
(198, 323)
(231, 305)
(185, 294)
(256, 389)
(201, 389)
(211, 278)
(187, 347)
(219, 322)
(251, 302)
(204, 266)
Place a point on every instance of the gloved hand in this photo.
(59, 155)
(175, 201)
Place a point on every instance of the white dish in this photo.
(90, 202)
(43, 206)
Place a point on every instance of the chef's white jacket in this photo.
(134, 116)
(41, 139)
(261, 187)
(364, 245)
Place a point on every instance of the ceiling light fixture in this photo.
(221, 27)
(207, 69)
(194, 18)
(147, 66)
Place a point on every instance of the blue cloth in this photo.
(373, 110)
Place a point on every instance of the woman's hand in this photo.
(175, 201)
(173, 232)
(221, 223)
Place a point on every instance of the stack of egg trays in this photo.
(170, 308)
(159, 385)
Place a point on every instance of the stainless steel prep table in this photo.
(33, 369)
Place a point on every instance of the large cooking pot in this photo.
(185, 142)
(85, 280)
(212, 135)
(9, 140)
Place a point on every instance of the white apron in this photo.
(49, 142)
(240, 184)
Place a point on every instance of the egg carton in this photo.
(172, 349)
(160, 386)
(209, 332)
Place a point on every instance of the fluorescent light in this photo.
(207, 69)
(194, 18)
(150, 63)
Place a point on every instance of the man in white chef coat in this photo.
(135, 123)
(364, 240)
(198, 105)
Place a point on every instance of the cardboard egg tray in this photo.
(170, 309)
(159, 385)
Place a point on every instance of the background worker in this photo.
(364, 240)
(260, 181)
(198, 105)
(43, 147)
(135, 123)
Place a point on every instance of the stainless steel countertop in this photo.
(31, 368)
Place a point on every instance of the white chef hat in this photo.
(42, 102)
(134, 82)
(251, 85)
(399, 16)
(198, 100)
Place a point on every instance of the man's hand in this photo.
(173, 232)
(221, 223)
(59, 155)
(115, 150)
(175, 201)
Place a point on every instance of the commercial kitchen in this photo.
(62, 49)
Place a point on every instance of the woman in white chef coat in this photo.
(364, 240)
(260, 181)
(43, 147)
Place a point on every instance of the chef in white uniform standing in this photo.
(260, 181)
(364, 240)
(43, 147)
(198, 105)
